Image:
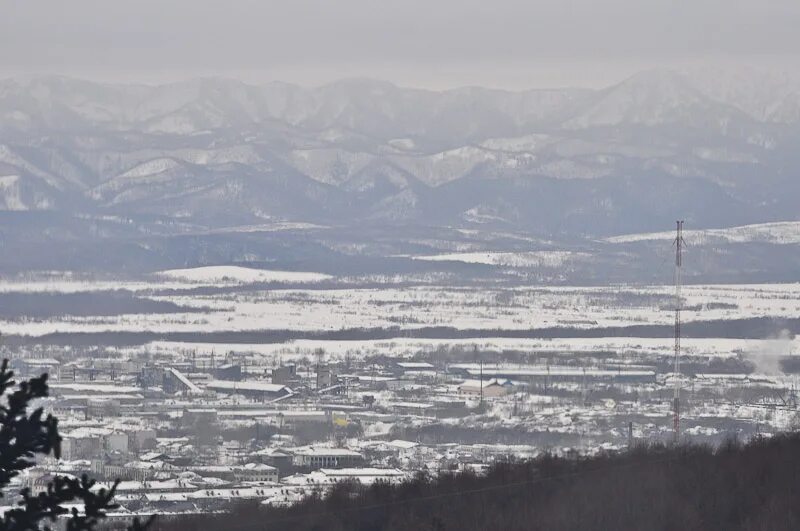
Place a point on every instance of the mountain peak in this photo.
(651, 98)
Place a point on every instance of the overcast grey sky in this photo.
(431, 43)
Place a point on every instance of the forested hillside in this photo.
(748, 487)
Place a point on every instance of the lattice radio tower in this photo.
(676, 396)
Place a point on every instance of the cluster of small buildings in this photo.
(189, 434)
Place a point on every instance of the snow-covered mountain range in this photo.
(717, 149)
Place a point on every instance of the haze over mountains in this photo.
(129, 161)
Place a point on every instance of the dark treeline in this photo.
(735, 487)
(95, 304)
(749, 328)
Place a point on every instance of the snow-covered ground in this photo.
(400, 347)
(302, 306)
(239, 275)
(779, 233)
(509, 259)
(173, 279)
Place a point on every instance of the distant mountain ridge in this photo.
(574, 161)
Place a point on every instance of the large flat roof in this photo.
(256, 386)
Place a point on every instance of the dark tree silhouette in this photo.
(736, 487)
(22, 436)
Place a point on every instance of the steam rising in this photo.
(767, 358)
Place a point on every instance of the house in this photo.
(41, 483)
(414, 366)
(93, 390)
(224, 472)
(449, 406)
(491, 388)
(255, 472)
(27, 367)
(534, 374)
(365, 476)
(415, 369)
(276, 457)
(369, 381)
(84, 443)
(103, 407)
(401, 448)
(329, 477)
(280, 417)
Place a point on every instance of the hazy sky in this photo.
(431, 43)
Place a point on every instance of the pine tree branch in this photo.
(24, 435)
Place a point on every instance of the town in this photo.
(188, 430)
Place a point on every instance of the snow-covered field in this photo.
(509, 259)
(303, 305)
(173, 279)
(400, 347)
(779, 233)
(239, 275)
(727, 381)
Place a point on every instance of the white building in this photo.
(256, 472)
(323, 457)
(491, 388)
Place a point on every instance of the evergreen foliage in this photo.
(753, 487)
(23, 435)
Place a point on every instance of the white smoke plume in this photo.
(767, 357)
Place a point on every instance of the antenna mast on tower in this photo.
(481, 383)
(679, 242)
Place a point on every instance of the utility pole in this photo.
(481, 382)
(679, 242)
(583, 387)
(547, 377)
